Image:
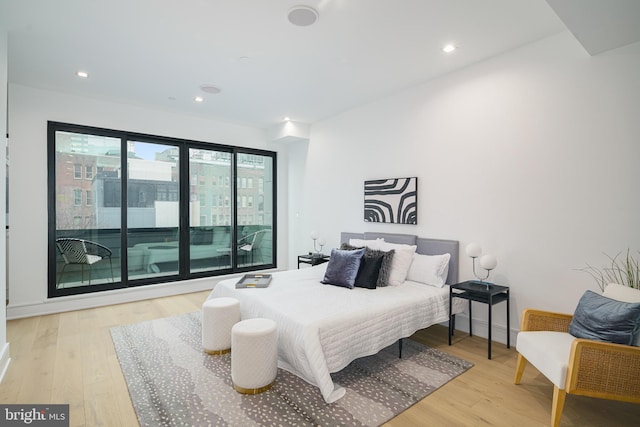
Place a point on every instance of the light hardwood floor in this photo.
(69, 358)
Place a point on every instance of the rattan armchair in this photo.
(595, 368)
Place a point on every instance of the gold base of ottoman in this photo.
(218, 352)
(252, 390)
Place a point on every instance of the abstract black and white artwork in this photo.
(391, 200)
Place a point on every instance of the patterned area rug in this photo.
(172, 382)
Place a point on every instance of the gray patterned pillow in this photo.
(604, 319)
(348, 247)
(385, 268)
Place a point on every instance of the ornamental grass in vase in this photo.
(623, 270)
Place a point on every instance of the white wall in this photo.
(4, 347)
(533, 154)
(29, 111)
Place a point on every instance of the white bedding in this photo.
(322, 328)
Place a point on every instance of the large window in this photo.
(153, 209)
(159, 212)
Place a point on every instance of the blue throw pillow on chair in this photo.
(604, 319)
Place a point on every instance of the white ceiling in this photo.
(156, 53)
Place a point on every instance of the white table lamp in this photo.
(487, 262)
(321, 241)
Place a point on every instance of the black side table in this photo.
(473, 290)
(314, 259)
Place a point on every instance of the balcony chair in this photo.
(577, 366)
(251, 243)
(83, 252)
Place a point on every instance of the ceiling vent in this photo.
(302, 16)
(210, 89)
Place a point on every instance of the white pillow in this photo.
(401, 261)
(371, 244)
(624, 294)
(621, 293)
(429, 269)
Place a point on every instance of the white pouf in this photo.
(254, 359)
(218, 317)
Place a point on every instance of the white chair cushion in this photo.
(548, 352)
(621, 293)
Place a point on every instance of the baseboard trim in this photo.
(84, 301)
(481, 329)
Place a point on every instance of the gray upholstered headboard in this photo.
(425, 247)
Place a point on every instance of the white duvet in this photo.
(322, 328)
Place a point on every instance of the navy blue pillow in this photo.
(385, 265)
(604, 319)
(343, 267)
(369, 270)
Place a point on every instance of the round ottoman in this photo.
(218, 316)
(254, 359)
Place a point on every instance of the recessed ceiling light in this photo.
(210, 89)
(198, 99)
(82, 74)
(449, 48)
(302, 16)
(286, 119)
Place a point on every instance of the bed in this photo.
(322, 328)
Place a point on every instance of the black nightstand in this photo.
(314, 259)
(473, 290)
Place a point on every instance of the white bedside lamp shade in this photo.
(322, 241)
(473, 250)
(314, 235)
(488, 262)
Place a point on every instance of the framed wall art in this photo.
(392, 200)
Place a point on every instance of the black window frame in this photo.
(184, 145)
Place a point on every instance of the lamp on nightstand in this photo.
(320, 240)
(487, 262)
